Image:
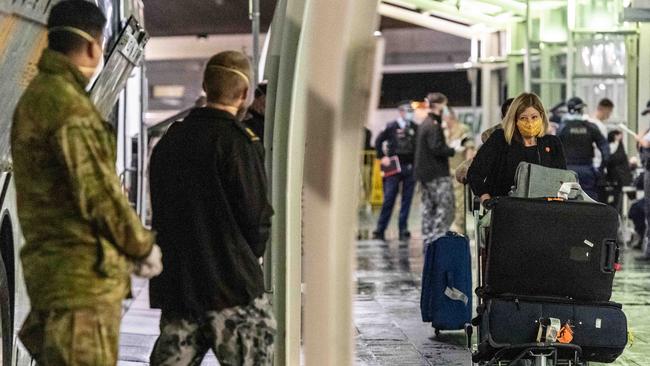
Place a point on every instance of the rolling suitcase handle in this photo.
(610, 256)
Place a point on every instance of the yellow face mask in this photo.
(530, 127)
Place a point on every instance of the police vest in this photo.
(577, 139)
(405, 140)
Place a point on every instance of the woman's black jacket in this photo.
(493, 169)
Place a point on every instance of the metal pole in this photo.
(527, 73)
(143, 142)
(254, 6)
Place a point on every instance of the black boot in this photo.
(376, 235)
(404, 235)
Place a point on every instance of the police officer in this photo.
(399, 138)
(80, 230)
(644, 145)
(578, 137)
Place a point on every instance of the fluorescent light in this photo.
(168, 91)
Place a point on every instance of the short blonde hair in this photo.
(519, 105)
(227, 76)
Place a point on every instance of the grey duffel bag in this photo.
(536, 181)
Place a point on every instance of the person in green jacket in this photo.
(82, 238)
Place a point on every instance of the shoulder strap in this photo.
(250, 135)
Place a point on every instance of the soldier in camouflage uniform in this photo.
(212, 216)
(81, 233)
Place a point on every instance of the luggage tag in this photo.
(566, 333)
(549, 329)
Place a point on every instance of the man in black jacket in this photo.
(578, 137)
(399, 137)
(432, 170)
(208, 190)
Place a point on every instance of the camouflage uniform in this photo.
(240, 335)
(79, 227)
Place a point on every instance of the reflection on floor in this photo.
(389, 330)
(387, 315)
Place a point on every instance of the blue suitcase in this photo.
(446, 299)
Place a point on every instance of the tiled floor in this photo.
(389, 330)
(387, 314)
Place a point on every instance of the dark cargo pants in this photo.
(241, 335)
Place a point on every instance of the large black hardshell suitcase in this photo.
(600, 329)
(551, 248)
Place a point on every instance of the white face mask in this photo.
(250, 95)
(94, 74)
(90, 72)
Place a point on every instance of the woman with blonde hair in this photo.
(523, 138)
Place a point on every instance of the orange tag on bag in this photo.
(566, 334)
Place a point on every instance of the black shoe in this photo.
(404, 235)
(376, 235)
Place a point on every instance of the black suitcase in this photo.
(600, 329)
(551, 248)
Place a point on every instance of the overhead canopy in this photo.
(463, 18)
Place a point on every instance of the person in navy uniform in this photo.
(578, 137)
(397, 139)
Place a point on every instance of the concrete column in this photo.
(489, 80)
(643, 75)
(288, 256)
(331, 96)
(285, 139)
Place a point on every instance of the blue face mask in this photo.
(408, 116)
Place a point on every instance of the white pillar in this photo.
(644, 74)
(289, 135)
(331, 97)
(489, 80)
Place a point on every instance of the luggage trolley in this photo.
(540, 354)
(488, 351)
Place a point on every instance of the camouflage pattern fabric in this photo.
(461, 171)
(487, 133)
(78, 225)
(80, 337)
(238, 336)
(437, 209)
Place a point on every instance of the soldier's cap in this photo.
(405, 104)
(647, 109)
(575, 104)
